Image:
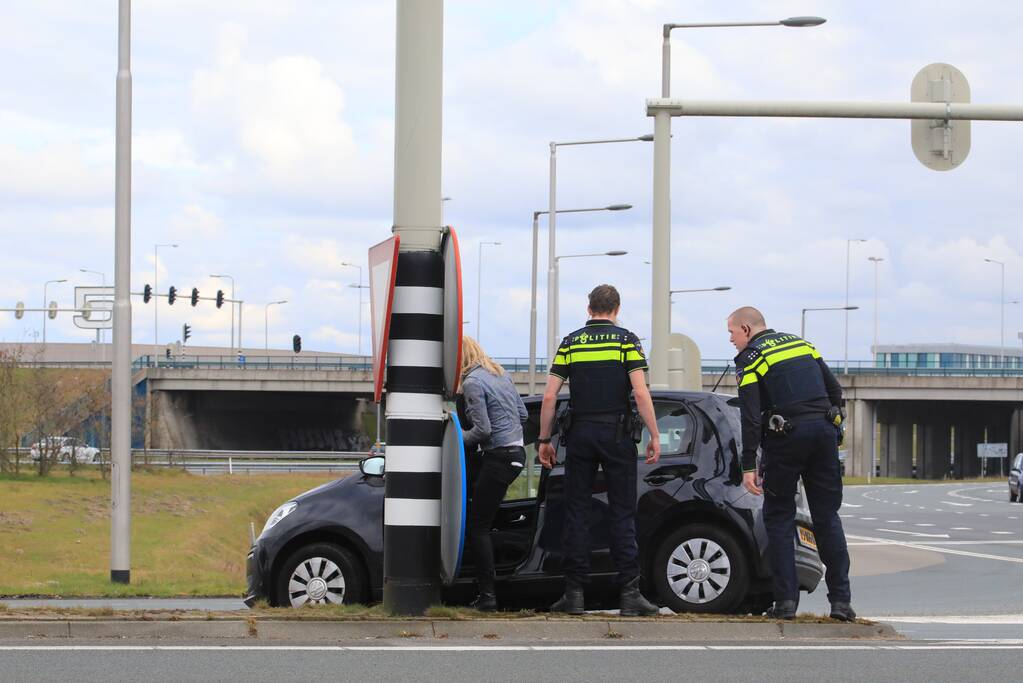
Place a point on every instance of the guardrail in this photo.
(297, 362)
(867, 367)
(234, 462)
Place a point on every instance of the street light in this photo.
(660, 307)
(479, 279)
(876, 260)
(802, 325)
(689, 291)
(45, 312)
(266, 322)
(228, 277)
(356, 265)
(1002, 332)
(103, 276)
(848, 248)
(556, 294)
(360, 287)
(552, 212)
(156, 301)
(532, 300)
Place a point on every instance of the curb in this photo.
(477, 629)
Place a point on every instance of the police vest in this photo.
(597, 360)
(787, 371)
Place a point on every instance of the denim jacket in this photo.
(495, 409)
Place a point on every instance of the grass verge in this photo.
(190, 533)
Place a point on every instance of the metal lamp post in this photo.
(848, 249)
(228, 277)
(660, 308)
(156, 300)
(360, 287)
(532, 300)
(356, 265)
(45, 312)
(266, 322)
(552, 213)
(1002, 323)
(479, 280)
(875, 260)
(690, 291)
(802, 324)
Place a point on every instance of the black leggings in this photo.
(497, 472)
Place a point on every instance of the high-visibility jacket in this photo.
(597, 360)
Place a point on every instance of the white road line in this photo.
(962, 528)
(1008, 644)
(851, 505)
(1008, 533)
(908, 492)
(952, 502)
(937, 549)
(848, 516)
(869, 519)
(923, 524)
(984, 514)
(893, 521)
(913, 533)
(991, 542)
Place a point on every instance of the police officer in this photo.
(603, 363)
(791, 405)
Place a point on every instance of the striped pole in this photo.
(415, 382)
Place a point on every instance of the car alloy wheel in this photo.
(316, 580)
(698, 570)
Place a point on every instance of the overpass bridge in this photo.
(908, 421)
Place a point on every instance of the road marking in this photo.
(913, 533)
(1007, 644)
(952, 502)
(869, 519)
(923, 524)
(848, 516)
(937, 549)
(961, 528)
(984, 514)
(1013, 517)
(913, 491)
(957, 494)
(991, 542)
(977, 619)
(893, 521)
(1002, 532)
(851, 505)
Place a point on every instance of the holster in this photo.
(563, 421)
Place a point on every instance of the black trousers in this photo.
(497, 470)
(591, 445)
(809, 451)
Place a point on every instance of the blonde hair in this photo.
(473, 355)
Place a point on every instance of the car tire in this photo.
(320, 573)
(720, 578)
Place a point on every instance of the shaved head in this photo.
(743, 324)
(747, 315)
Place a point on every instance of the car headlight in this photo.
(279, 514)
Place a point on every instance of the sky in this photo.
(263, 147)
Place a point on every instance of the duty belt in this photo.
(599, 418)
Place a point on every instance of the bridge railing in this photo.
(869, 367)
(245, 362)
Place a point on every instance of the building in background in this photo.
(947, 356)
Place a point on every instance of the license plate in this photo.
(806, 538)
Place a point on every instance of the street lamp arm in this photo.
(638, 138)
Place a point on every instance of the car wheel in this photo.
(700, 568)
(320, 574)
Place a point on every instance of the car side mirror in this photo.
(372, 467)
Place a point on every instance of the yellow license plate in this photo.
(806, 538)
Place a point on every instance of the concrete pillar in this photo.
(884, 451)
(1015, 432)
(969, 432)
(934, 448)
(859, 437)
(900, 461)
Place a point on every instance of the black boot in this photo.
(486, 601)
(571, 602)
(782, 609)
(842, 611)
(633, 604)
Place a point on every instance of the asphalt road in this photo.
(839, 661)
(947, 555)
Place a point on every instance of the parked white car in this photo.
(65, 447)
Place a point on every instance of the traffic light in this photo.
(296, 343)
(220, 298)
(186, 332)
(172, 294)
(195, 295)
(147, 294)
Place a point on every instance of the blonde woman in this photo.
(496, 413)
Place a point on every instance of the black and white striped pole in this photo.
(415, 381)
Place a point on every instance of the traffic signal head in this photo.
(296, 343)
(220, 298)
(195, 295)
(172, 294)
(147, 294)
(186, 332)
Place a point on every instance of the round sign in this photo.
(452, 500)
(939, 144)
(452, 312)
